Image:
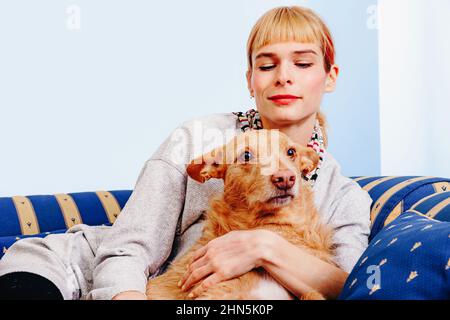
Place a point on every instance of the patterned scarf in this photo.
(251, 120)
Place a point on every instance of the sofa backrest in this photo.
(40, 215)
(393, 195)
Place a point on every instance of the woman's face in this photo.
(288, 80)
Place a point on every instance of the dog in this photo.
(264, 188)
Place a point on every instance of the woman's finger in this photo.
(197, 275)
(199, 253)
(205, 285)
(192, 267)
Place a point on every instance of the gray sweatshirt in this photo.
(162, 218)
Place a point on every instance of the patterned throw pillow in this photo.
(408, 259)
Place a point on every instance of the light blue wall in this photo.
(83, 109)
(353, 109)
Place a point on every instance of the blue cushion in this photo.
(408, 259)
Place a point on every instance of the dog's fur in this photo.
(246, 204)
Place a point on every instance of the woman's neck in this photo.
(299, 132)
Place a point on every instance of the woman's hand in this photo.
(130, 295)
(226, 257)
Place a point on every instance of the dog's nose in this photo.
(283, 179)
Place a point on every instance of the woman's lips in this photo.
(283, 102)
(283, 99)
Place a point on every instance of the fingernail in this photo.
(179, 283)
(183, 287)
(190, 295)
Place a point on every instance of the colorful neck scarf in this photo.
(251, 120)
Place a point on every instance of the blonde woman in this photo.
(290, 67)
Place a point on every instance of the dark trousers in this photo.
(27, 286)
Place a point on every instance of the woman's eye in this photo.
(265, 68)
(304, 65)
(291, 152)
(300, 65)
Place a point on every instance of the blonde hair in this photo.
(293, 24)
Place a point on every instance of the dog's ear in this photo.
(207, 166)
(308, 159)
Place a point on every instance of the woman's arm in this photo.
(238, 252)
(300, 272)
(137, 244)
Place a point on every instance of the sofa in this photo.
(405, 259)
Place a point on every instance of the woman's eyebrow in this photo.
(304, 52)
(271, 55)
(265, 55)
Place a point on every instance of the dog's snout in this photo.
(283, 179)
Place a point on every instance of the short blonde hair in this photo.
(293, 24)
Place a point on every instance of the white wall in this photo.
(414, 51)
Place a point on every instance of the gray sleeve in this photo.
(141, 239)
(351, 220)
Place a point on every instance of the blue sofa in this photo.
(393, 197)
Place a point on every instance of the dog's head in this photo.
(259, 167)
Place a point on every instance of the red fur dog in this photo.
(263, 189)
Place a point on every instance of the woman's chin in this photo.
(284, 115)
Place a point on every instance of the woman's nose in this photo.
(283, 75)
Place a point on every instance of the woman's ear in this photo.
(207, 166)
(309, 159)
(248, 75)
(332, 76)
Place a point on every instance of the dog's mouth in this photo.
(281, 199)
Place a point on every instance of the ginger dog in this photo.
(263, 189)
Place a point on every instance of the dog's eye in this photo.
(291, 152)
(246, 156)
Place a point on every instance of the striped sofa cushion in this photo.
(393, 195)
(436, 206)
(40, 215)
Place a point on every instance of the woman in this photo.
(290, 67)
